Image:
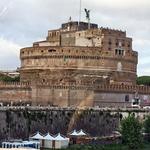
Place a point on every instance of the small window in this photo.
(119, 52)
(126, 98)
(109, 43)
(51, 50)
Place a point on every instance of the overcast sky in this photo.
(24, 21)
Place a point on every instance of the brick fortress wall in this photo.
(72, 95)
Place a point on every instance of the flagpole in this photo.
(80, 11)
(80, 7)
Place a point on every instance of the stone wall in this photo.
(13, 93)
(84, 95)
(73, 94)
(20, 122)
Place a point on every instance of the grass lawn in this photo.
(108, 147)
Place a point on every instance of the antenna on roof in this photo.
(80, 7)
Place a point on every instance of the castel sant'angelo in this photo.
(78, 64)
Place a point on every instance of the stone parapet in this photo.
(14, 85)
(78, 52)
(101, 88)
(104, 88)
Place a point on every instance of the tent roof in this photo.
(74, 133)
(59, 137)
(81, 133)
(48, 137)
(37, 136)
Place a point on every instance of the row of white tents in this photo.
(78, 133)
(49, 141)
(57, 142)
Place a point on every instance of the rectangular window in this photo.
(126, 98)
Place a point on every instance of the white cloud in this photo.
(24, 21)
(9, 54)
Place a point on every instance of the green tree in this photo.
(9, 79)
(143, 80)
(131, 132)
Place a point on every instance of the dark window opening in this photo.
(119, 52)
(126, 98)
(109, 43)
(51, 50)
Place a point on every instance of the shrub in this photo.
(131, 132)
(147, 124)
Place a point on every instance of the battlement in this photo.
(114, 88)
(122, 88)
(77, 26)
(110, 31)
(12, 85)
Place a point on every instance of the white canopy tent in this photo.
(78, 133)
(81, 133)
(48, 141)
(61, 141)
(74, 133)
(48, 137)
(37, 136)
